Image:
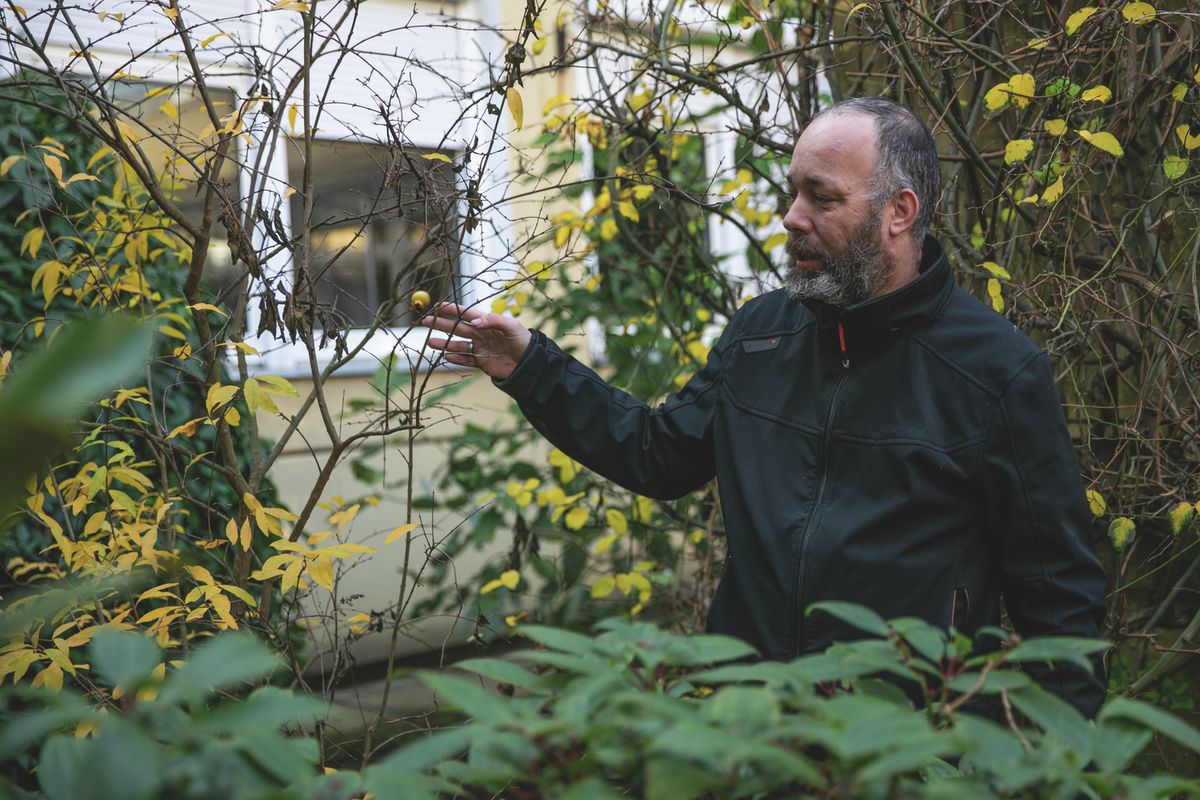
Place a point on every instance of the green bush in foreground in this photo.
(632, 712)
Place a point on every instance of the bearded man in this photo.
(878, 436)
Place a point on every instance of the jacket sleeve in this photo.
(662, 452)
(1052, 582)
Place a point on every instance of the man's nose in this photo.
(797, 219)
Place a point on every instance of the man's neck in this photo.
(907, 260)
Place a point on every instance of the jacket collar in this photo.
(915, 305)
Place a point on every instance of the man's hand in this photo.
(493, 343)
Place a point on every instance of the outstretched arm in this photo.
(662, 452)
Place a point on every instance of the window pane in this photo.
(384, 224)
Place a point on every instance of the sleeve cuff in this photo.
(524, 376)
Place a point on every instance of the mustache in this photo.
(799, 250)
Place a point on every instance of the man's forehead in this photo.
(836, 150)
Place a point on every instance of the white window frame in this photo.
(486, 260)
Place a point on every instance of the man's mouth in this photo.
(807, 264)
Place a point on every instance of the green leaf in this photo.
(1154, 718)
(502, 672)
(469, 697)
(41, 401)
(1057, 648)
(1056, 717)
(121, 762)
(559, 639)
(860, 617)
(124, 658)
(227, 661)
(1118, 742)
(54, 712)
(267, 708)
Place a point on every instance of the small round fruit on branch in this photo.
(419, 301)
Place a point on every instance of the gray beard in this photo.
(845, 279)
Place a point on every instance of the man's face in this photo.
(835, 238)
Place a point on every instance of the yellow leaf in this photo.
(51, 677)
(204, 43)
(1097, 94)
(321, 571)
(231, 531)
(554, 102)
(218, 396)
(856, 9)
(576, 518)
(201, 574)
(1138, 13)
(251, 502)
(628, 210)
(171, 13)
(32, 241)
(168, 108)
(291, 575)
(1017, 150)
(54, 164)
(1037, 44)
(186, 429)
(1189, 142)
(605, 543)
(643, 508)
(539, 46)
(276, 385)
(244, 534)
(8, 164)
(515, 107)
(642, 191)
(1053, 191)
(608, 229)
(398, 533)
(1076, 20)
(1021, 89)
(603, 587)
(232, 417)
(490, 587)
(616, 520)
(1180, 517)
(1179, 91)
(1174, 167)
(174, 333)
(997, 270)
(249, 350)
(775, 240)
(996, 97)
(345, 515)
(290, 5)
(1055, 127)
(1096, 503)
(1103, 140)
(358, 623)
(207, 307)
(1120, 532)
(510, 578)
(437, 157)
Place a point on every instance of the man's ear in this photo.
(904, 208)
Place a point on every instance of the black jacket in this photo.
(908, 453)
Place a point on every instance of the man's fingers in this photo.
(455, 311)
(453, 346)
(452, 325)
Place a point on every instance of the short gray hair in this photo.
(908, 157)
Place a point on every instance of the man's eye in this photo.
(822, 199)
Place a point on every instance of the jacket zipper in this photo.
(798, 632)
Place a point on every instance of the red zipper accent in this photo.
(842, 342)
